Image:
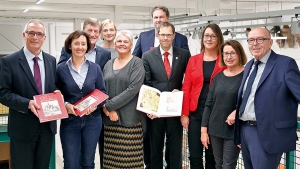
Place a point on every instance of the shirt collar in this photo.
(170, 51)
(30, 56)
(93, 49)
(265, 58)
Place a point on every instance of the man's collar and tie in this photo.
(247, 110)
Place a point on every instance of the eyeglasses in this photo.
(212, 37)
(166, 35)
(37, 34)
(226, 55)
(258, 40)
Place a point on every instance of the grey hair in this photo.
(127, 33)
(37, 21)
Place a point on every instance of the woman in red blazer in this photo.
(200, 71)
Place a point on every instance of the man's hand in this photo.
(185, 120)
(34, 107)
(151, 116)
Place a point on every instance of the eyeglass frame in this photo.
(212, 37)
(32, 34)
(255, 40)
(231, 54)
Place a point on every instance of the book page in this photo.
(170, 104)
(51, 107)
(148, 100)
(86, 103)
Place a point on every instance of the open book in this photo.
(161, 104)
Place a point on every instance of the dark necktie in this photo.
(167, 64)
(37, 74)
(249, 87)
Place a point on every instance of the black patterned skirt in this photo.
(123, 147)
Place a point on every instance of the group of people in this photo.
(227, 107)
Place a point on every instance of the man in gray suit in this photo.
(165, 68)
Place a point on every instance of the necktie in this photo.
(37, 74)
(167, 64)
(249, 87)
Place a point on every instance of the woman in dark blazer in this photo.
(199, 74)
(76, 78)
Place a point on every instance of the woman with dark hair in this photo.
(76, 78)
(200, 71)
(219, 113)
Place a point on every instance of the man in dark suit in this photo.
(165, 67)
(266, 118)
(96, 54)
(149, 39)
(30, 140)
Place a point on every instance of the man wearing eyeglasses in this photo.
(165, 68)
(147, 41)
(23, 74)
(266, 118)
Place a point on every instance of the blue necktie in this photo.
(248, 88)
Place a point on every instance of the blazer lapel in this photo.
(24, 64)
(151, 39)
(175, 61)
(98, 55)
(246, 74)
(48, 71)
(268, 68)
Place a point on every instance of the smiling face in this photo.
(123, 44)
(158, 17)
(108, 32)
(34, 44)
(93, 32)
(166, 37)
(230, 56)
(210, 39)
(256, 49)
(79, 46)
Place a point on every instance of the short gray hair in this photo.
(92, 21)
(127, 33)
(37, 21)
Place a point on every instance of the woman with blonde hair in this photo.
(108, 33)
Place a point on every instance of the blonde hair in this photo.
(106, 22)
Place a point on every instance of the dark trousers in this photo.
(101, 146)
(172, 128)
(254, 155)
(195, 145)
(33, 153)
(225, 151)
(147, 145)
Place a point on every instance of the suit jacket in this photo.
(146, 40)
(193, 82)
(17, 88)
(276, 103)
(156, 75)
(102, 56)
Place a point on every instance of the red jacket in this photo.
(193, 82)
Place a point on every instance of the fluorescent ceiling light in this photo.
(25, 10)
(39, 1)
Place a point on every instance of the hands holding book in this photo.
(71, 109)
(113, 115)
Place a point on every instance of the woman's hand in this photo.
(113, 115)
(106, 112)
(185, 120)
(90, 110)
(204, 137)
(71, 109)
(231, 118)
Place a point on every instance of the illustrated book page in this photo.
(91, 100)
(52, 107)
(161, 104)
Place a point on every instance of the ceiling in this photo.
(127, 11)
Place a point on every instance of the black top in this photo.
(208, 68)
(221, 101)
